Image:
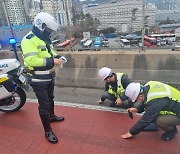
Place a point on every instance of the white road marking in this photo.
(85, 106)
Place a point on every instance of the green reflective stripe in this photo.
(120, 88)
(167, 112)
(111, 91)
(30, 54)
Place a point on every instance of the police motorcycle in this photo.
(12, 85)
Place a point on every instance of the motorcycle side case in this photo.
(6, 87)
(7, 65)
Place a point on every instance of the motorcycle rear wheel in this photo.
(17, 101)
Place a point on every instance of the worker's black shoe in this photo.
(51, 137)
(54, 118)
(168, 135)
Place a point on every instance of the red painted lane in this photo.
(83, 132)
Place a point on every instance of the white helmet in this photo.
(132, 91)
(47, 19)
(104, 72)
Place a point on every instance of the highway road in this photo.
(81, 97)
(75, 95)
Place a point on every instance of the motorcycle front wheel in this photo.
(16, 101)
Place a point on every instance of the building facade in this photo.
(56, 8)
(170, 4)
(64, 13)
(24, 11)
(3, 17)
(20, 15)
(169, 11)
(15, 12)
(125, 15)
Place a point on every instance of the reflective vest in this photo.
(32, 47)
(161, 90)
(120, 89)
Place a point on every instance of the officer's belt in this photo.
(44, 72)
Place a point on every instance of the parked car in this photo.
(105, 43)
(87, 44)
(125, 43)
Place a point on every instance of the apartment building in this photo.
(15, 11)
(170, 4)
(169, 10)
(56, 8)
(50, 6)
(125, 15)
(65, 16)
(3, 17)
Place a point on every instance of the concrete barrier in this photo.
(81, 70)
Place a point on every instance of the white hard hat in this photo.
(132, 91)
(47, 19)
(104, 72)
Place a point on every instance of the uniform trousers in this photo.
(167, 122)
(45, 95)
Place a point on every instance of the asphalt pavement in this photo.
(88, 128)
(75, 95)
(84, 131)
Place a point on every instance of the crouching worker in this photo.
(115, 85)
(161, 103)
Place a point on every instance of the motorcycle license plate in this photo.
(22, 78)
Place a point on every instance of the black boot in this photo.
(47, 128)
(168, 135)
(51, 137)
(54, 118)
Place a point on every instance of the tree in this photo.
(85, 22)
(108, 30)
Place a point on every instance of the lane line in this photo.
(85, 106)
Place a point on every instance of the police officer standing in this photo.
(115, 85)
(40, 60)
(161, 103)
